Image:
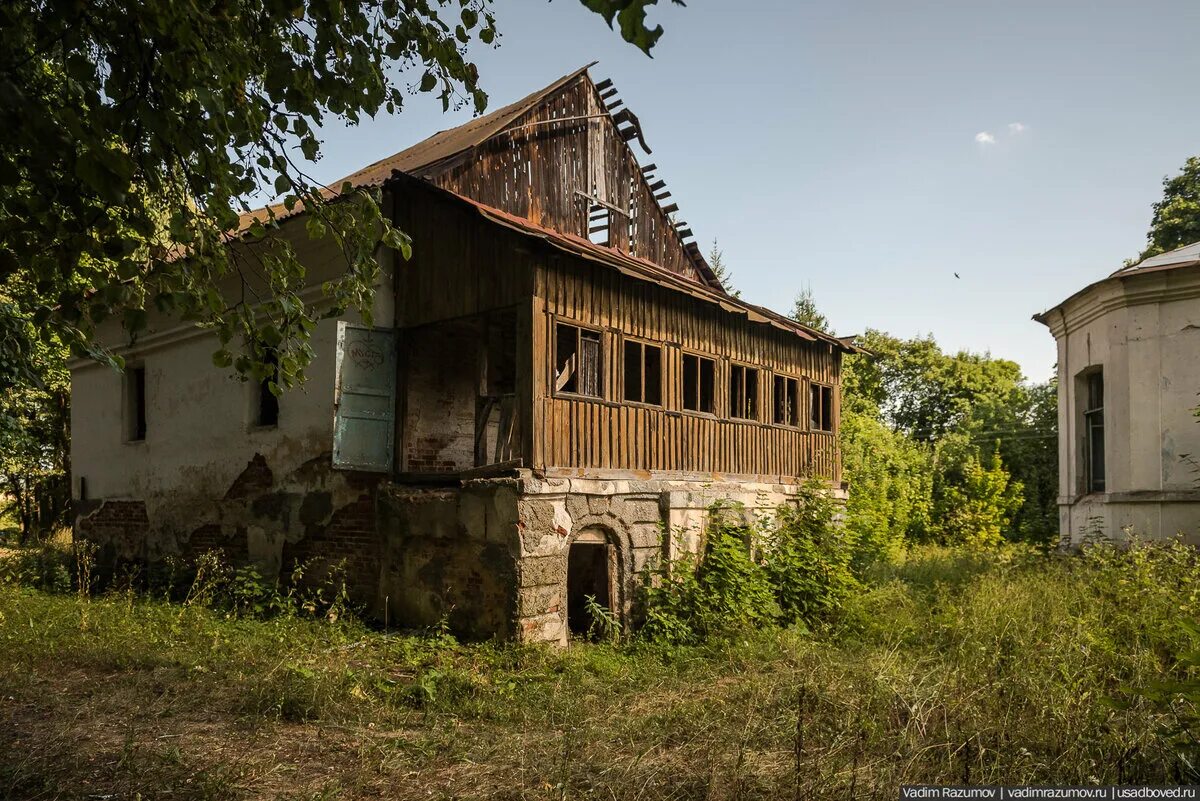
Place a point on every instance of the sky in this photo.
(871, 149)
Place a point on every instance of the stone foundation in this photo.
(491, 558)
(486, 558)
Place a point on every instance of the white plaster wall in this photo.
(1144, 330)
(200, 433)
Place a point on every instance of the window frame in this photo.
(1089, 415)
(699, 356)
(796, 406)
(259, 391)
(642, 345)
(602, 385)
(757, 417)
(820, 385)
(135, 402)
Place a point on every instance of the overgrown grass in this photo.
(950, 666)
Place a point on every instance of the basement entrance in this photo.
(590, 568)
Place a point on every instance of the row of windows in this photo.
(578, 361)
(264, 403)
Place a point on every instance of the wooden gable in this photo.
(565, 163)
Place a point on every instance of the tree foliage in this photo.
(978, 509)
(716, 260)
(805, 311)
(1176, 218)
(915, 425)
(134, 142)
(34, 436)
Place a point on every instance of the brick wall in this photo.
(442, 386)
(349, 540)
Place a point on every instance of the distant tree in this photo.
(941, 409)
(1176, 219)
(979, 509)
(134, 137)
(805, 311)
(34, 436)
(716, 260)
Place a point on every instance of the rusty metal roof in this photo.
(417, 159)
(449, 143)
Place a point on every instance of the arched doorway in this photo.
(591, 572)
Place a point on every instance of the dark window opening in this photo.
(643, 373)
(821, 407)
(787, 401)
(267, 406)
(699, 381)
(577, 360)
(743, 392)
(1093, 426)
(588, 576)
(136, 394)
(599, 223)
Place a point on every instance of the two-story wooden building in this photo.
(554, 389)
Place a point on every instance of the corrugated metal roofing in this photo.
(1188, 254)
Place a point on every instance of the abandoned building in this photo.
(1128, 377)
(554, 390)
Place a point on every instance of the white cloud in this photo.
(1016, 128)
(985, 138)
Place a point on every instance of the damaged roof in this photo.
(421, 160)
(417, 160)
(645, 270)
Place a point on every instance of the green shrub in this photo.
(807, 560)
(724, 591)
(794, 570)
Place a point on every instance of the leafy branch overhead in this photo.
(630, 15)
(136, 143)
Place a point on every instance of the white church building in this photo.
(1128, 390)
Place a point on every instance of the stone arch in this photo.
(605, 531)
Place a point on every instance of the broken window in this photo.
(643, 373)
(266, 406)
(743, 392)
(599, 223)
(1093, 432)
(820, 407)
(135, 403)
(699, 376)
(787, 401)
(576, 360)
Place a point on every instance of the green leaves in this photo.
(630, 16)
(134, 145)
(398, 240)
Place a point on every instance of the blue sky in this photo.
(836, 144)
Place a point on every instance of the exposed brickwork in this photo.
(232, 545)
(122, 523)
(443, 382)
(349, 540)
(254, 480)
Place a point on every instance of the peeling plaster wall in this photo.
(205, 476)
(1144, 331)
(491, 558)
